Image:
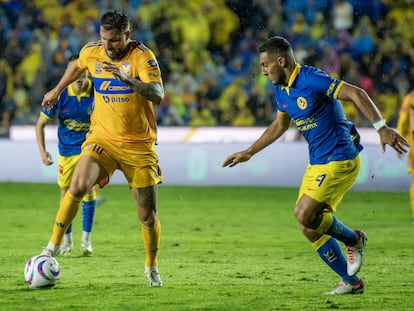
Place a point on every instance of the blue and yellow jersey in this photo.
(121, 115)
(310, 99)
(74, 119)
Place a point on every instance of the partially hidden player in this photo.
(73, 111)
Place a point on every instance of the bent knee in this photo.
(79, 187)
(301, 215)
(150, 221)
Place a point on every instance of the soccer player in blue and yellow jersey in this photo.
(310, 98)
(73, 110)
(127, 83)
(405, 126)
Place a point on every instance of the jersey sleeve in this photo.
(148, 69)
(321, 81)
(83, 54)
(50, 113)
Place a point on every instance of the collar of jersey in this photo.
(292, 77)
(86, 93)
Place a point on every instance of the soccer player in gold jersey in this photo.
(127, 82)
(405, 126)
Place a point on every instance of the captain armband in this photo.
(379, 125)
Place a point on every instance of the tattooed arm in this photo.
(152, 91)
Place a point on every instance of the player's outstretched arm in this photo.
(72, 73)
(270, 135)
(360, 98)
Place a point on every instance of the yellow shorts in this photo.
(329, 182)
(140, 167)
(66, 168)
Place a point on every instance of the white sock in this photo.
(67, 238)
(86, 236)
(52, 247)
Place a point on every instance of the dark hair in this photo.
(275, 44)
(73, 57)
(115, 20)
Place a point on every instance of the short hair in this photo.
(275, 44)
(115, 20)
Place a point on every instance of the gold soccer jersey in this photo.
(405, 126)
(121, 115)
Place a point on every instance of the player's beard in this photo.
(280, 78)
(116, 54)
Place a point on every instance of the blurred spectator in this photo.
(344, 41)
(244, 117)
(6, 90)
(4, 29)
(364, 39)
(232, 98)
(318, 28)
(222, 21)
(330, 61)
(20, 97)
(13, 53)
(259, 106)
(388, 101)
(364, 43)
(172, 111)
(189, 89)
(31, 64)
(343, 15)
(202, 117)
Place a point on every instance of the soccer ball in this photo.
(42, 271)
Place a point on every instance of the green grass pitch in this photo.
(222, 248)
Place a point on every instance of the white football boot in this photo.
(153, 276)
(355, 254)
(347, 288)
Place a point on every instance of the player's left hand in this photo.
(112, 68)
(389, 136)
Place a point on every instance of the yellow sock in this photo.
(68, 208)
(151, 237)
(321, 241)
(326, 223)
(412, 197)
(89, 197)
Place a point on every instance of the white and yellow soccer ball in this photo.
(42, 271)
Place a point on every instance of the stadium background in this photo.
(208, 58)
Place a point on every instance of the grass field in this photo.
(223, 248)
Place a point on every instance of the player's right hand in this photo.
(49, 99)
(235, 158)
(47, 159)
(391, 137)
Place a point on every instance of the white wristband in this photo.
(379, 124)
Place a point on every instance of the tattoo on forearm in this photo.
(151, 91)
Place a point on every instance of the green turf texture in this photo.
(222, 248)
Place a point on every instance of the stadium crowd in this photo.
(207, 52)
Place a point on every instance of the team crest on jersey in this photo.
(126, 68)
(302, 103)
(98, 66)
